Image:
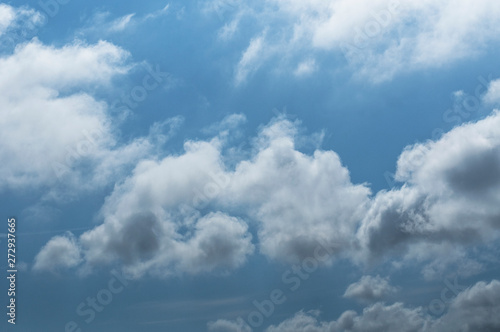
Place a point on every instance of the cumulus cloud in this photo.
(43, 86)
(370, 289)
(152, 222)
(298, 199)
(156, 219)
(474, 309)
(174, 215)
(450, 195)
(60, 252)
(144, 243)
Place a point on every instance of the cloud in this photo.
(449, 196)
(299, 200)
(475, 309)
(370, 289)
(101, 23)
(158, 13)
(152, 223)
(250, 60)
(221, 7)
(305, 68)
(43, 86)
(375, 318)
(18, 20)
(120, 23)
(295, 200)
(60, 252)
(301, 322)
(219, 241)
(174, 215)
(229, 30)
(492, 96)
(379, 39)
(222, 325)
(229, 124)
(7, 16)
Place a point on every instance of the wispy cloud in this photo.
(379, 39)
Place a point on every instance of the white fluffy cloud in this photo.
(298, 199)
(53, 130)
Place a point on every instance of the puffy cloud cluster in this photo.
(151, 223)
(474, 309)
(174, 215)
(164, 218)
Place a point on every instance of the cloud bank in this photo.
(475, 309)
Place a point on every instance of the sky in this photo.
(268, 165)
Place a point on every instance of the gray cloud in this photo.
(61, 252)
(370, 289)
(450, 195)
(138, 239)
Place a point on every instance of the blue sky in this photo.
(230, 166)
